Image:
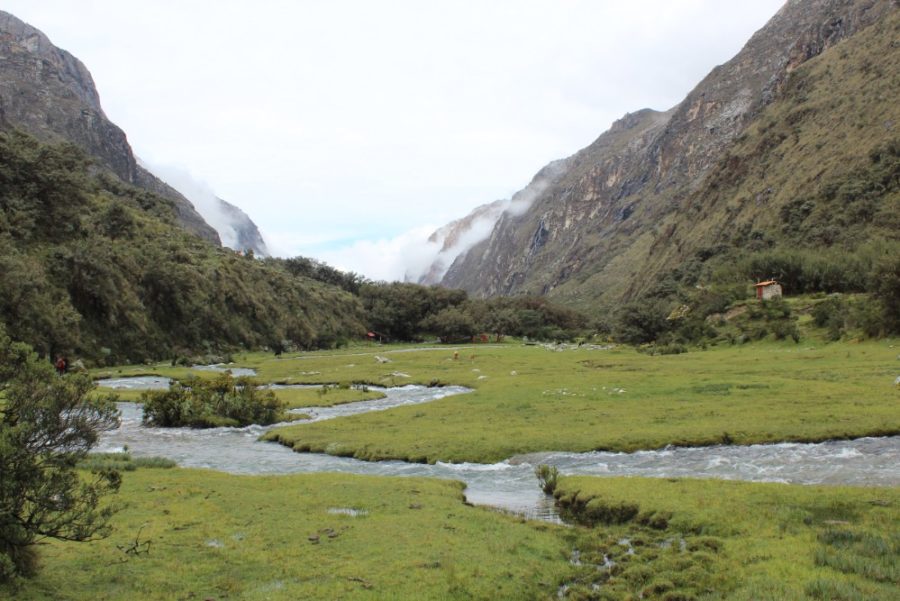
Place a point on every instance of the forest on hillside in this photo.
(94, 267)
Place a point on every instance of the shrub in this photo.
(123, 462)
(547, 476)
(831, 314)
(224, 401)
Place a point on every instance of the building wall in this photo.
(773, 291)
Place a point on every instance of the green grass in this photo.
(212, 535)
(324, 397)
(742, 541)
(123, 462)
(529, 398)
(121, 394)
(184, 534)
(163, 368)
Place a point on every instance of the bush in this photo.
(886, 288)
(224, 401)
(642, 321)
(831, 314)
(547, 476)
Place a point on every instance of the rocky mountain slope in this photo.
(246, 234)
(93, 262)
(50, 94)
(804, 103)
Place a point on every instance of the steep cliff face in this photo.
(602, 230)
(48, 93)
(246, 235)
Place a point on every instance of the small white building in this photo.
(768, 289)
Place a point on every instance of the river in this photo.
(509, 485)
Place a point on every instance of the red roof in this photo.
(766, 283)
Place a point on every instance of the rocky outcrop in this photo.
(593, 236)
(246, 234)
(50, 94)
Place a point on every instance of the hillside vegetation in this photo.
(94, 267)
(809, 193)
(783, 162)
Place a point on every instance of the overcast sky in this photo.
(349, 129)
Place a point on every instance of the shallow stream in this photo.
(511, 484)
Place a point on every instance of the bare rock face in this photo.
(48, 93)
(247, 235)
(592, 235)
(458, 236)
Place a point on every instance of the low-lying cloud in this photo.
(424, 254)
(213, 210)
(386, 259)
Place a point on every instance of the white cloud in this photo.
(201, 196)
(377, 117)
(388, 259)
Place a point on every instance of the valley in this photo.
(665, 369)
(336, 515)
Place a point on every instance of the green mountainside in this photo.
(782, 163)
(816, 174)
(95, 267)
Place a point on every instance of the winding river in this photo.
(509, 485)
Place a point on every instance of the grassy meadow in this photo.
(532, 398)
(326, 396)
(529, 398)
(713, 539)
(196, 534)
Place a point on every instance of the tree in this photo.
(642, 321)
(47, 425)
(502, 322)
(450, 324)
(886, 288)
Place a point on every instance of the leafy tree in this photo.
(502, 322)
(43, 188)
(452, 323)
(47, 425)
(886, 288)
(396, 310)
(642, 321)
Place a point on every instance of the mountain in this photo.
(93, 262)
(50, 94)
(95, 267)
(801, 110)
(246, 235)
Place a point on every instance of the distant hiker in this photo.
(60, 365)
